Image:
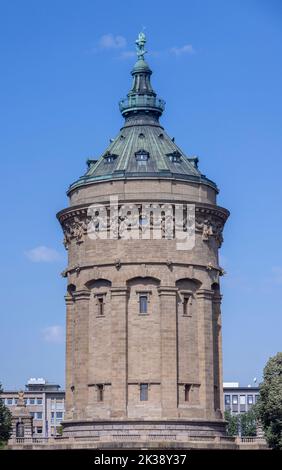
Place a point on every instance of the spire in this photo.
(141, 99)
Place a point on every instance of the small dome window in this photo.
(142, 156)
(174, 157)
(141, 136)
(110, 157)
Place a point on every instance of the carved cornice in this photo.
(144, 267)
(209, 222)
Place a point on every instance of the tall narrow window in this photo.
(250, 399)
(100, 392)
(144, 392)
(187, 390)
(101, 306)
(143, 304)
(227, 399)
(185, 305)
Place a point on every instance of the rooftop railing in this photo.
(141, 101)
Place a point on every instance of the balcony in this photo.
(141, 101)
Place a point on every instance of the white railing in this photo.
(251, 439)
(29, 440)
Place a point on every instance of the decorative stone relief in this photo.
(210, 227)
(117, 264)
(74, 228)
(209, 223)
(206, 229)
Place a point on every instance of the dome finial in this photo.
(140, 45)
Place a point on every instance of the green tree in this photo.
(269, 405)
(232, 424)
(5, 420)
(248, 424)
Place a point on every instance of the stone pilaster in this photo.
(119, 299)
(81, 353)
(205, 344)
(70, 357)
(217, 344)
(168, 327)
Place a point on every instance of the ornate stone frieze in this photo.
(209, 222)
(74, 224)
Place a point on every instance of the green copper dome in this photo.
(142, 149)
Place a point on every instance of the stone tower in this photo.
(143, 357)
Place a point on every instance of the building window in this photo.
(227, 399)
(59, 415)
(235, 399)
(174, 157)
(38, 415)
(60, 404)
(141, 156)
(39, 401)
(32, 401)
(242, 399)
(187, 390)
(144, 392)
(100, 392)
(110, 157)
(101, 305)
(9, 401)
(186, 304)
(242, 403)
(256, 398)
(234, 402)
(250, 399)
(39, 430)
(143, 303)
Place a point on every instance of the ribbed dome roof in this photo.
(142, 149)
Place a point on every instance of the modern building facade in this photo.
(144, 355)
(238, 399)
(44, 401)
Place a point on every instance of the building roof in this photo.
(142, 148)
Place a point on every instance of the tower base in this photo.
(170, 433)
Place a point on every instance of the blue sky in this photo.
(64, 67)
